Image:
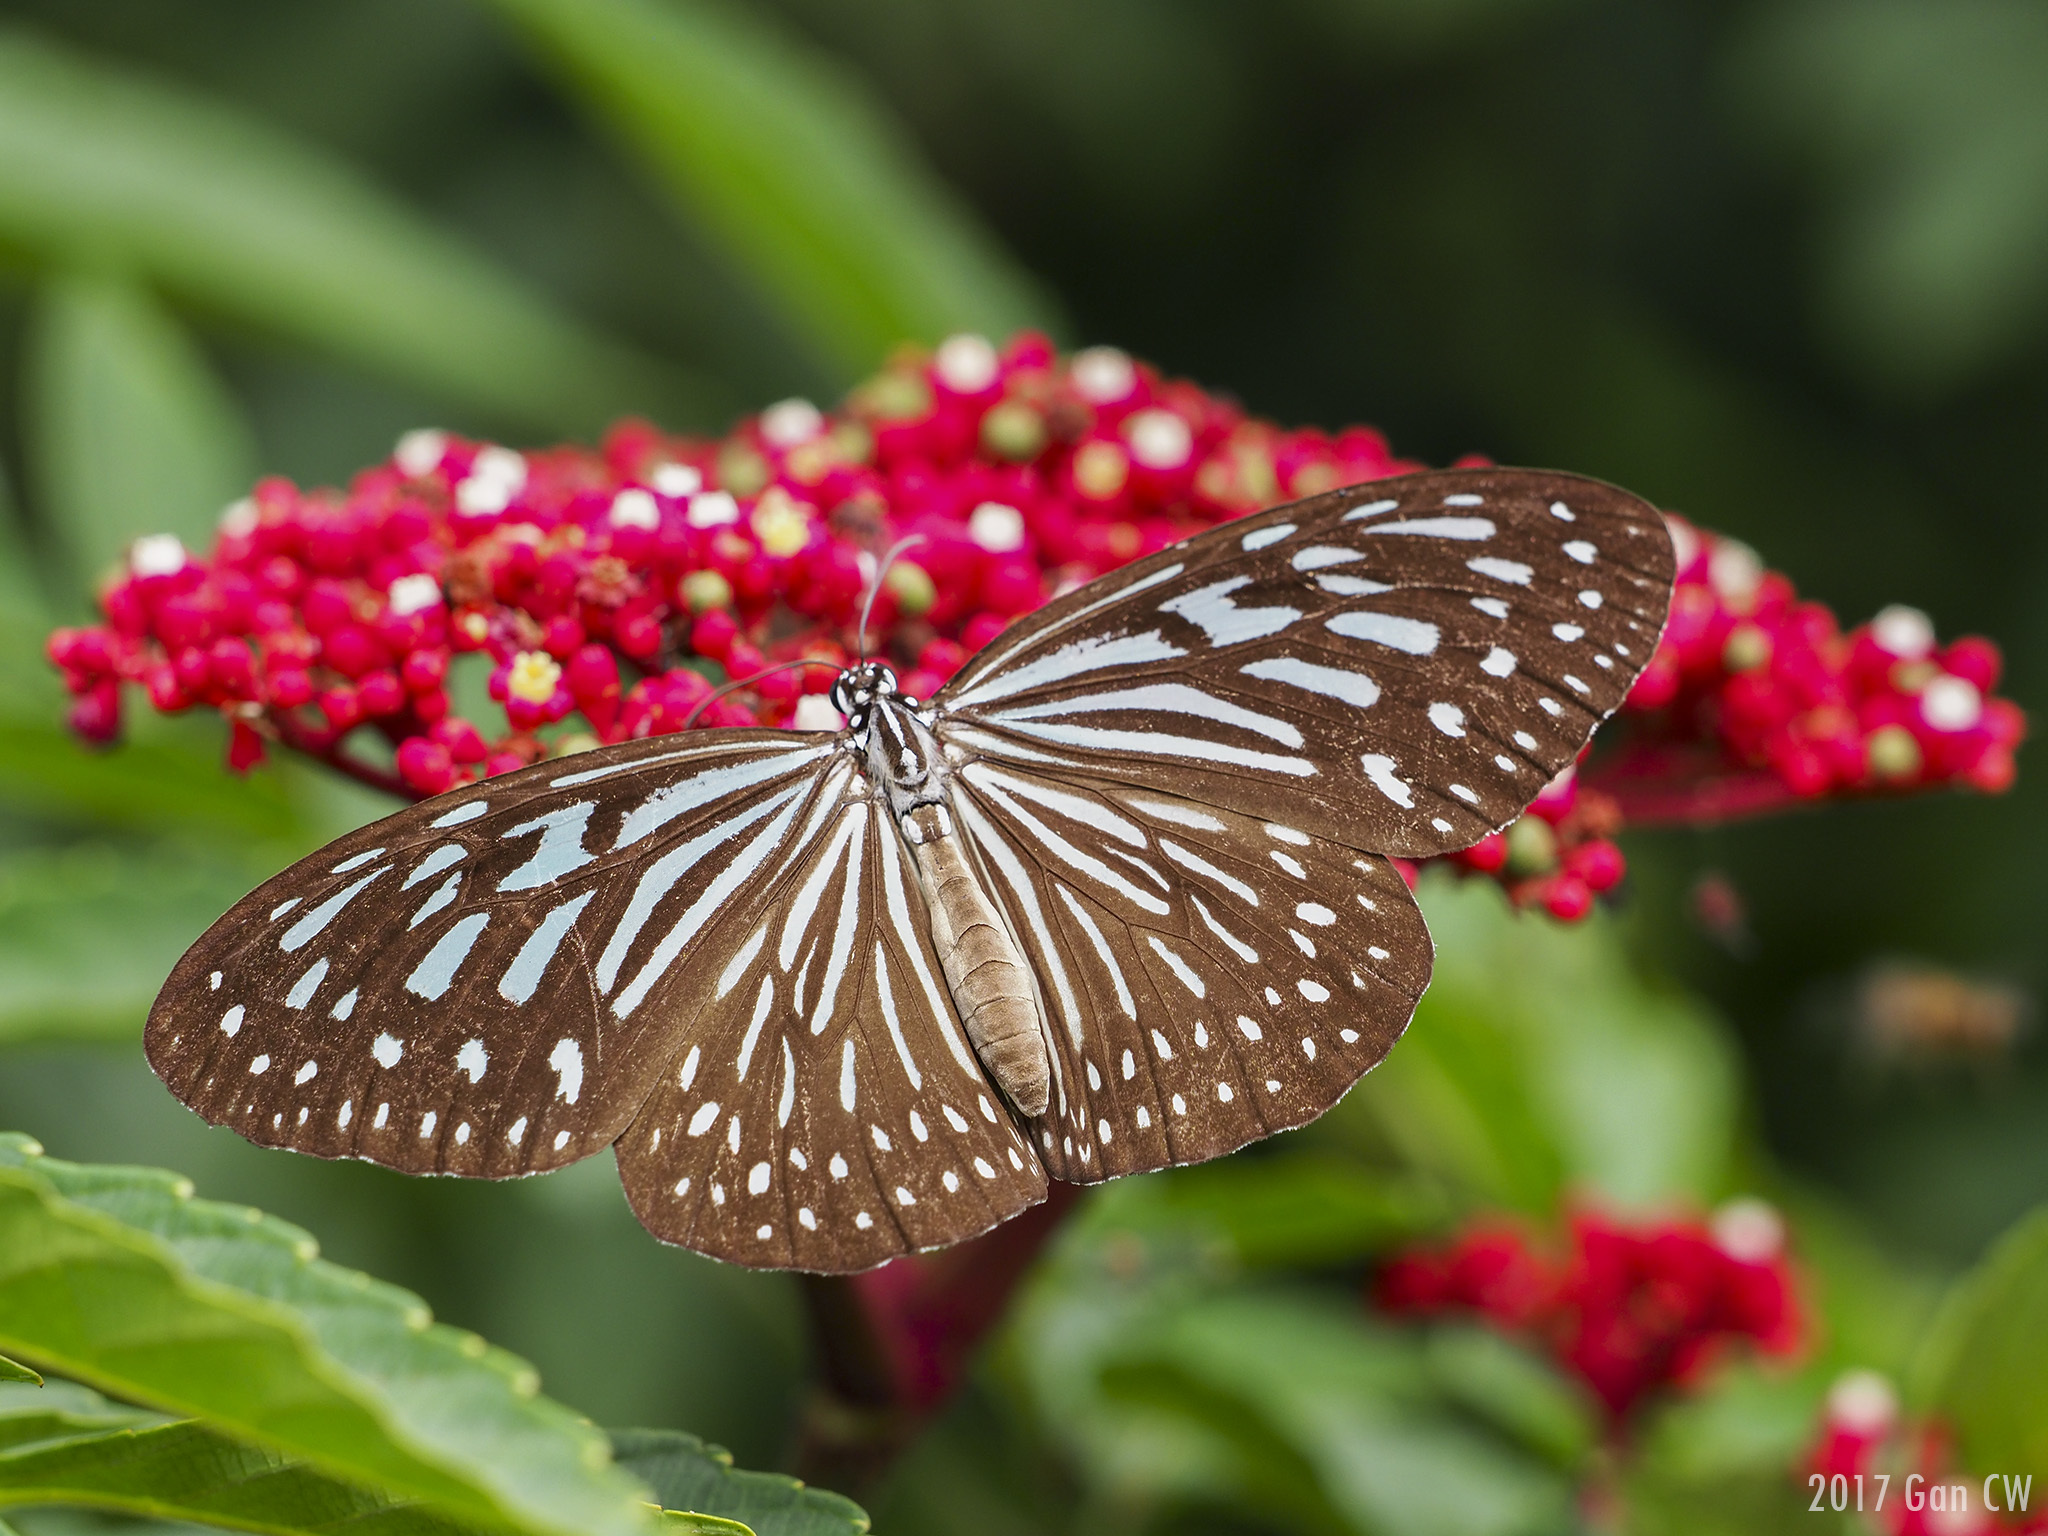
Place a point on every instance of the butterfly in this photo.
(1118, 897)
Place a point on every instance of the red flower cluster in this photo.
(1631, 1310)
(599, 595)
(1902, 1477)
(1755, 699)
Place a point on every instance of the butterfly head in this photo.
(859, 689)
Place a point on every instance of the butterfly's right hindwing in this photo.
(835, 1116)
(491, 982)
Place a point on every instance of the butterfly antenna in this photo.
(881, 571)
(748, 681)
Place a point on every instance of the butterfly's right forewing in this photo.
(491, 982)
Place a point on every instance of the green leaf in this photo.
(1294, 1208)
(102, 164)
(1355, 1404)
(88, 932)
(162, 781)
(70, 1446)
(129, 431)
(686, 1473)
(781, 155)
(1501, 1381)
(118, 1277)
(14, 1370)
(1538, 1062)
(1988, 1355)
(1931, 127)
(78, 1449)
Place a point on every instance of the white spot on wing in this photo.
(1379, 768)
(1447, 718)
(388, 1050)
(1221, 620)
(1466, 528)
(561, 847)
(1512, 571)
(473, 1059)
(435, 973)
(1499, 662)
(1259, 538)
(309, 927)
(523, 976)
(1353, 688)
(444, 857)
(1370, 509)
(1412, 636)
(1320, 556)
(443, 896)
(567, 1060)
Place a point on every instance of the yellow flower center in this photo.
(533, 677)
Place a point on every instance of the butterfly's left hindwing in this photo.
(491, 982)
(1207, 977)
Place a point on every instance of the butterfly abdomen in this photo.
(984, 972)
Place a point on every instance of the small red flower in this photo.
(611, 590)
(1633, 1310)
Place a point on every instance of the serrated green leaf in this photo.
(816, 194)
(14, 1370)
(118, 1277)
(129, 430)
(72, 1447)
(78, 1449)
(231, 214)
(684, 1523)
(686, 1473)
(1988, 1355)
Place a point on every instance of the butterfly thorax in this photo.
(984, 969)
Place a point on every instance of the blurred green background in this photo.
(1782, 266)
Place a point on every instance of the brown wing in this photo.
(836, 1116)
(489, 983)
(1207, 978)
(1400, 666)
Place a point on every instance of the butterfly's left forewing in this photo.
(1400, 666)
